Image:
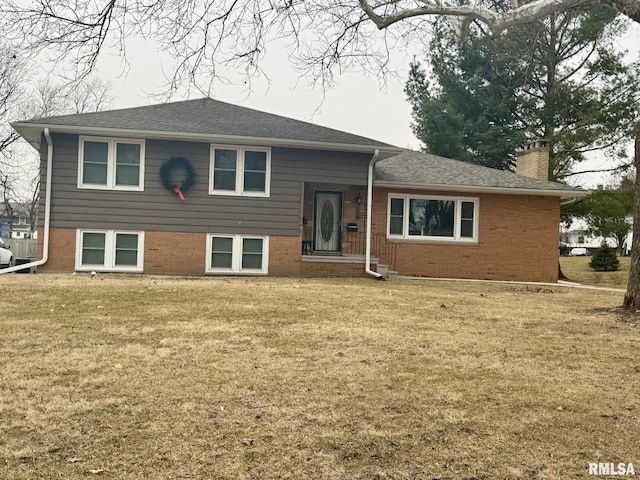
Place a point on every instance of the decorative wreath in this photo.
(187, 182)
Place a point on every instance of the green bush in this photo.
(605, 259)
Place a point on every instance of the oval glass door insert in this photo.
(327, 218)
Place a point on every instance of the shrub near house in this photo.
(605, 259)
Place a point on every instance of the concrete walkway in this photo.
(560, 283)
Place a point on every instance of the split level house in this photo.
(203, 187)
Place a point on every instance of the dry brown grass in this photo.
(156, 378)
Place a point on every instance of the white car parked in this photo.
(6, 256)
(579, 252)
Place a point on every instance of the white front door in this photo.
(328, 216)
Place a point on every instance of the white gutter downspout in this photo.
(569, 201)
(367, 256)
(47, 212)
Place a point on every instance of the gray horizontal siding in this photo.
(318, 166)
(155, 208)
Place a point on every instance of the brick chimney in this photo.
(533, 160)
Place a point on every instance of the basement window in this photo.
(237, 254)
(432, 218)
(109, 251)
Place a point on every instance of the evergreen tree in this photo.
(605, 260)
(560, 79)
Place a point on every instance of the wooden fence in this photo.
(22, 248)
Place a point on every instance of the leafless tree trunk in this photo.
(34, 206)
(8, 198)
(632, 297)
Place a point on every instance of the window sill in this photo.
(229, 193)
(101, 269)
(232, 273)
(107, 188)
(433, 241)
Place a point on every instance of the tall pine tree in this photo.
(560, 79)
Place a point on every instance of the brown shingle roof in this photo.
(418, 169)
(206, 116)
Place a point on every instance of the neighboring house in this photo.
(16, 222)
(628, 241)
(578, 235)
(277, 196)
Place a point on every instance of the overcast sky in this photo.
(359, 103)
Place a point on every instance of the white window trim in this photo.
(240, 171)
(109, 252)
(111, 164)
(236, 255)
(457, 239)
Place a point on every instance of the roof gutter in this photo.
(47, 212)
(487, 189)
(367, 255)
(570, 200)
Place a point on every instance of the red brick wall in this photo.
(174, 253)
(62, 250)
(170, 253)
(284, 256)
(517, 240)
(329, 269)
(354, 243)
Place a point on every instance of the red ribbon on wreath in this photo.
(178, 190)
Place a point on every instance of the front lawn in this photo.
(577, 269)
(159, 378)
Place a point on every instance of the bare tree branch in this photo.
(207, 37)
(620, 168)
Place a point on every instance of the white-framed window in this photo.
(109, 250)
(111, 163)
(432, 218)
(240, 171)
(237, 254)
